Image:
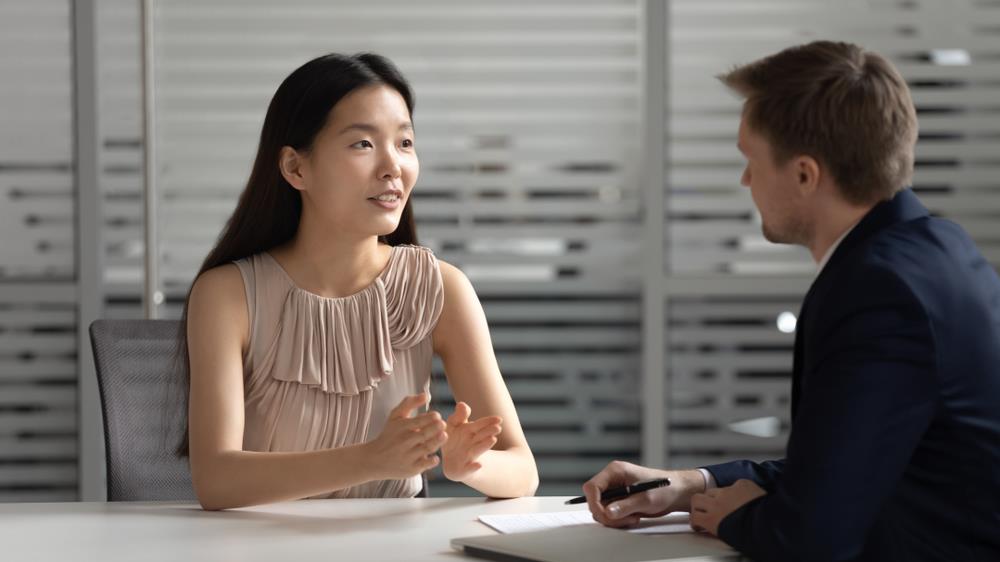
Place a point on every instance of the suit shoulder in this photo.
(920, 243)
(878, 276)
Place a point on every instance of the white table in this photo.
(327, 530)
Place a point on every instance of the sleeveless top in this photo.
(325, 372)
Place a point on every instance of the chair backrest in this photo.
(143, 403)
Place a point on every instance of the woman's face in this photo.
(362, 166)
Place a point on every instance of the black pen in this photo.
(613, 494)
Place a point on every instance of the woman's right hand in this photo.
(652, 503)
(407, 443)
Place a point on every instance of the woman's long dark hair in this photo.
(269, 208)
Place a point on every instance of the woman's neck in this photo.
(329, 263)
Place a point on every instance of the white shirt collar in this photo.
(833, 247)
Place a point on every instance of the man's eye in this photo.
(407, 143)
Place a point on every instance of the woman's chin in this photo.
(387, 230)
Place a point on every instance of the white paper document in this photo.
(673, 523)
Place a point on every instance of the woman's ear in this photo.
(292, 166)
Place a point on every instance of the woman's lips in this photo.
(388, 204)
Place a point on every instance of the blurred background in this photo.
(578, 163)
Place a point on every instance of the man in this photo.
(894, 451)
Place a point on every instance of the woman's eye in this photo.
(407, 143)
(363, 144)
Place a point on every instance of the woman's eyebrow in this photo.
(369, 128)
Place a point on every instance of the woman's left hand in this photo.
(467, 441)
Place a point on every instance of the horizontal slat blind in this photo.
(120, 126)
(38, 420)
(36, 176)
(38, 449)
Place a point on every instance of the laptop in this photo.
(591, 543)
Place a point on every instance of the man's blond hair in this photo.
(848, 108)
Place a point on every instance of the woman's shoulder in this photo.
(219, 289)
(218, 302)
(454, 280)
(219, 281)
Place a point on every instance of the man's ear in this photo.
(292, 166)
(807, 174)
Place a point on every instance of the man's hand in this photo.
(652, 503)
(710, 508)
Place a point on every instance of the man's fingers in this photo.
(699, 503)
(697, 521)
(600, 481)
(630, 521)
(632, 505)
(592, 491)
(612, 475)
(699, 515)
(593, 488)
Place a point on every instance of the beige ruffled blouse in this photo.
(325, 372)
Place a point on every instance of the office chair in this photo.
(143, 405)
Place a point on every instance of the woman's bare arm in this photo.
(462, 340)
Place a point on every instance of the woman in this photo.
(312, 323)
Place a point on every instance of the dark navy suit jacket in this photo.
(894, 451)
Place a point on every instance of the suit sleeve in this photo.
(765, 474)
(864, 407)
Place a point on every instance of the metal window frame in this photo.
(652, 176)
(89, 255)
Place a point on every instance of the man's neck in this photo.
(832, 223)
